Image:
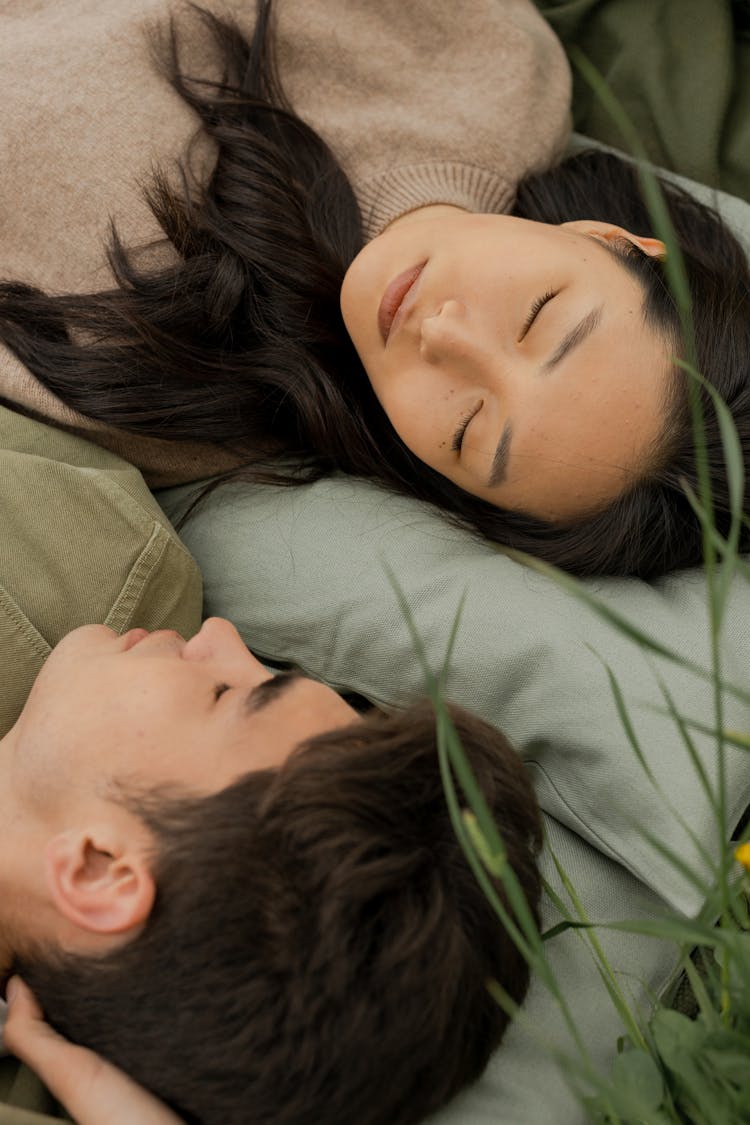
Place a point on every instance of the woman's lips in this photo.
(394, 298)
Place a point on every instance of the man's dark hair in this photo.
(319, 949)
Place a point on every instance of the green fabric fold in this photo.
(680, 68)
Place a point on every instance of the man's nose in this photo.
(216, 638)
(218, 644)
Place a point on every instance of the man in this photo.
(228, 882)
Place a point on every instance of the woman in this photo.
(515, 370)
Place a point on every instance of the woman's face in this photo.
(512, 356)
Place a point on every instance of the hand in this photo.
(92, 1090)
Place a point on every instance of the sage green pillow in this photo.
(302, 573)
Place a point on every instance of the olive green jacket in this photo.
(82, 541)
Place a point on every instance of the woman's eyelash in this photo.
(219, 691)
(536, 308)
(458, 437)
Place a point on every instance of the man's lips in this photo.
(134, 637)
(393, 301)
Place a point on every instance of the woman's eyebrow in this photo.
(500, 460)
(575, 337)
(269, 690)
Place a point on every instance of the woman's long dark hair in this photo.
(238, 339)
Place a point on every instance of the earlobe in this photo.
(97, 884)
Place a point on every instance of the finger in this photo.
(25, 1026)
(63, 1066)
(91, 1089)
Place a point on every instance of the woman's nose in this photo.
(447, 334)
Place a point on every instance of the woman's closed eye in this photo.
(463, 425)
(536, 308)
(460, 431)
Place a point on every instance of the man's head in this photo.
(310, 943)
(141, 711)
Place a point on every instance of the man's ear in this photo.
(607, 232)
(99, 881)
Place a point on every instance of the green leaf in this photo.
(700, 992)
(731, 1065)
(561, 927)
(620, 623)
(679, 1040)
(684, 931)
(494, 861)
(735, 471)
(737, 738)
(732, 737)
(638, 1082)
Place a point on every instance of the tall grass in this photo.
(674, 1067)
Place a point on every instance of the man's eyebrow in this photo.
(575, 337)
(500, 460)
(269, 690)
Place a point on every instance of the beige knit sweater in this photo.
(423, 101)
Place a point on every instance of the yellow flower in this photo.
(742, 855)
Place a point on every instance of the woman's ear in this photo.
(654, 247)
(99, 881)
(608, 232)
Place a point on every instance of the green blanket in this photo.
(681, 69)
